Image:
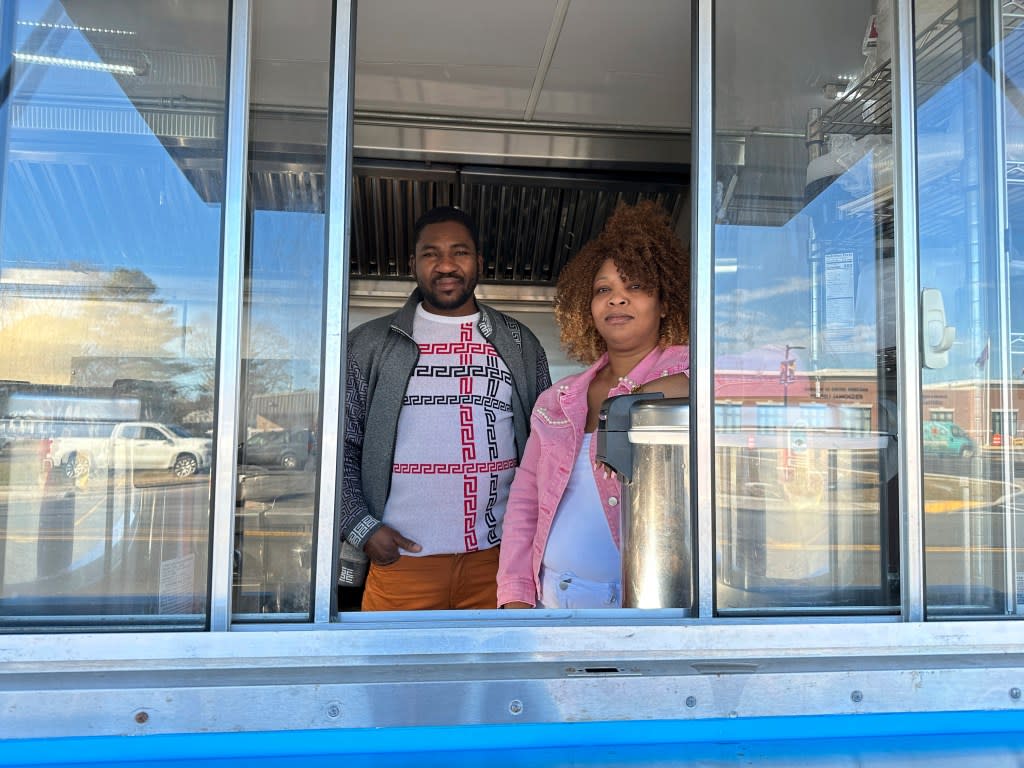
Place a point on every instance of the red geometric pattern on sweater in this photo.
(458, 348)
(468, 444)
(467, 364)
(442, 468)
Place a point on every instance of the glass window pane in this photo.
(804, 314)
(111, 193)
(539, 185)
(280, 394)
(969, 159)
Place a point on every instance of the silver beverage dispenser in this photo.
(645, 438)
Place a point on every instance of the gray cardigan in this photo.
(381, 358)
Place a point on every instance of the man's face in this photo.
(447, 268)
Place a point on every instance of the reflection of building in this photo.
(281, 410)
(962, 402)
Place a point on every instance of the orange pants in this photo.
(434, 582)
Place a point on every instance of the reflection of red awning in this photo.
(760, 386)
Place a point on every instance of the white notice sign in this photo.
(177, 579)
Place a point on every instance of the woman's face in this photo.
(627, 316)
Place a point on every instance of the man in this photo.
(438, 401)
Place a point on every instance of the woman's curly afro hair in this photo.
(640, 240)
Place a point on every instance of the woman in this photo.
(622, 306)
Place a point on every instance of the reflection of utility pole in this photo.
(184, 328)
(787, 372)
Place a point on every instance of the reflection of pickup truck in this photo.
(945, 437)
(133, 445)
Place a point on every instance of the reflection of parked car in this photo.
(132, 445)
(946, 438)
(288, 448)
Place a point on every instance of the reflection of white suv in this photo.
(134, 445)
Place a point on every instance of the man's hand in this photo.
(382, 547)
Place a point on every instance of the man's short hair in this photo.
(444, 213)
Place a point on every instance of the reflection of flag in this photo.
(983, 357)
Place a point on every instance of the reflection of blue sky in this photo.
(1015, 158)
(765, 302)
(107, 194)
(96, 197)
(958, 224)
(97, 190)
(286, 291)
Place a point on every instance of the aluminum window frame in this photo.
(483, 667)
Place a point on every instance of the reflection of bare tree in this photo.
(78, 314)
(264, 368)
(126, 319)
(91, 328)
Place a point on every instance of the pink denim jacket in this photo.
(557, 427)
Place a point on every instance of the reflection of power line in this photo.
(1017, 346)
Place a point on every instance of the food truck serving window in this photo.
(146, 486)
(816, 534)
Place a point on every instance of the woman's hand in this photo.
(676, 385)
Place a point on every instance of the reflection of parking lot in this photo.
(800, 529)
(969, 512)
(274, 535)
(807, 528)
(111, 547)
(119, 541)
(778, 523)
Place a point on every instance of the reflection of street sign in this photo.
(787, 371)
(797, 437)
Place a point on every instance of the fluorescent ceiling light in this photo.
(74, 28)
(94, 66)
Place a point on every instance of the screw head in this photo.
(856, 697)
(691, 701)
(515, 706)
(142, 717)
(333, 710)
(1015, 693)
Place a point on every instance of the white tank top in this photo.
(580, 541)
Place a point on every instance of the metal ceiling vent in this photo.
(531, 221)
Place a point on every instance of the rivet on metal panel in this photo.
(333, 710)
(141, 717)
(856, 697)
(515, 706)
(691, 701)
(1015, 693)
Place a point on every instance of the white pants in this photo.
(564, 589)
